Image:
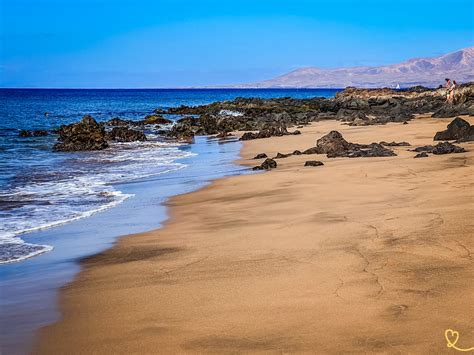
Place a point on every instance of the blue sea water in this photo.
(41, 189)
(56, 208)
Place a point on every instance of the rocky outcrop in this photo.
(458, 130)
(36, 133)
(267, 164)
(356, 107)
(313, 163)
(84, 135)
(124, 134)
(463, 103)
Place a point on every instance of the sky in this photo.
(178, 43)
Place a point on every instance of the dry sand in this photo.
(360, 255)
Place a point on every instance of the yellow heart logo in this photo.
(452, 337)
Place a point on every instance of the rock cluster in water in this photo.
(88, 134)
(84, 135)
(36, 133)
(263, 118)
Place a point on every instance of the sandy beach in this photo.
(360, 255)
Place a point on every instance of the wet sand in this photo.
(360, 255)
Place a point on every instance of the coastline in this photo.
(334, 258)
(30, 288)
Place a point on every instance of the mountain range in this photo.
(428, 72)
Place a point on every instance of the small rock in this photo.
(281, 156)
(260, 156)
(421, 155)
(313, 163)
(155, 119)
(38, 133)
(267, 164)
(297, 152)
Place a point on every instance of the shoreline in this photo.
(30, 287)
(254, 292)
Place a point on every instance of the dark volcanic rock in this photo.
(267, 164)
(37, 133)
(424, 148)
(421, 155)
(124, 134)
(364, 151)
(355, 106)
(447, 111)
(447, 148)
(296, 152)
(182, 131)
(155, 119)
(395, 144)
(458, 129)
(313, 163)
(260, 156)
(419, 89)
(312, 150)
(440, 148)
(118, 122)
(84, 135)
(281, 156)
(268, 131)
(332, 143)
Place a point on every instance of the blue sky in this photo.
(175, 43)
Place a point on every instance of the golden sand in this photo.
(360, 255)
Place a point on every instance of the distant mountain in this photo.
(420, 71)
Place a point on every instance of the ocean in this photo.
(57, 208)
